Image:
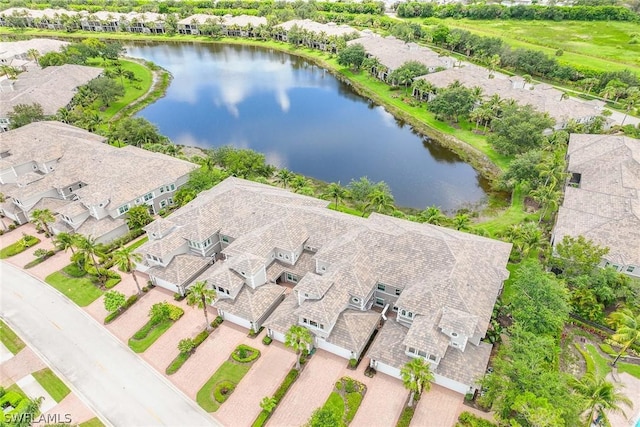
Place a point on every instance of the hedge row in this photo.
(288, 381)
(127, 304)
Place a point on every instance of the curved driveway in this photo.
(112, 380)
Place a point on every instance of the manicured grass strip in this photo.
(93, 422)
(80, 290)
(601, 364)
(52, 384)
(10, 340)
(139, 346)
(343, 402)
(629, 369)
(229, 371)
(406, 416)
(137, 244)
(16, 389)
(590, 365)
(20, 246)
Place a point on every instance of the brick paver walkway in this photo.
(22, 364)
(438, 407)
(262, 380)
(630, 387)
(310, 391)
(71, 405)
(383, 401)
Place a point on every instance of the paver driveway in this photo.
(439, 407)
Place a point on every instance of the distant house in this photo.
(16, 53)
(393, 53)
(329, 31)
(87, 184)
(542, 97)
(278, 259)
(52, 87)
(242, 25)
(602, 198)
(48, 19)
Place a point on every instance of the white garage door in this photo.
(332, 348)
(237, 320)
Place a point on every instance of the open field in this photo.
(597, 45)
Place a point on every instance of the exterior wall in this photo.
(77, 220)
(385, 369)
(235, 319)
(164, 284)
(321, 267)
(278, 336)
(458, 340)
(114, 234)
(332, 348)
(101, 212)
(259, 278)
(276, 303)
(453, 385)
(285, 256)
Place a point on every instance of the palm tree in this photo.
(548, 197)
(90, 248)
(298, 183)
(627, 326)
(42, 218)
(417, 377)
(201, 296)
(461, 221)
(629, 104)
(125, 259)
(432, 215)
(298, 338)
(284, 177)
(379, 200)
(335, 191)
(64, 241)
(33, 54)
(599, 395)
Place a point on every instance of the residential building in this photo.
(16, 54)
(393, 53)
(325, 33)
(543, 97)
(278, 259)
(52, 87)
(88, 184)
(602, 198)
(236, 26)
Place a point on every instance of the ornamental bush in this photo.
(223, 390)
(245, 354)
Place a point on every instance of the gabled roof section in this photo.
(458, 321)
(353, 329)
(246, 263)
(313, 286)
(284, 316)
(220, 275)
(423, 335)
(327, 309)
(181, 269)
(252, 304)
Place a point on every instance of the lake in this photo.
(302, 118)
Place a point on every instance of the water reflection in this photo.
(301, 118)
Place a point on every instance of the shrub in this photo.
(175, 312)
(353, 363)
(111, 282)
(217, 322)
(12, 227)
(350, 385)
(177, 363)
(245, 354)
(199, 339)
(405, 417)
(144, 331)
(39, 260)
(267, 340)
(186, 345)
(178, 297)
(159, 312)
(128, 303)
(223, 390)
(467, 419)
(286, 384)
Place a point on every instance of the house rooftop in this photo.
(252, 304)
(605, 207)
(18, 49)
(52, 87)
(330, 29)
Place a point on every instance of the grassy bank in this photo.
(9, 339)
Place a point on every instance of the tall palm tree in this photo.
(201, 296)
(64, 241)
(630, 103)
(298, 183)
(599, 395)
(42, 218)
(125, 259)
(90, 248)
(380, 201)
(417, 377)
(627, 326)
(298, 338)
(284, 177)
(548, 197)
(336, 192)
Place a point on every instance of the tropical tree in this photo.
(298, 338)
(432, 215)
(284, 177)
(23, 114)
(126, 259)
(627, 326)
(461, 221)
(417, 377)
(42, 218)
(599, 396)
(113, 301)
(64, 241)
(186, 345)
(89, 249)
(379, 201)
(298, 183)
(268, 404)
(138, 217)
(336, 192)
(201, 296)
(548, 197)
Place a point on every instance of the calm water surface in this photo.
(301, 118)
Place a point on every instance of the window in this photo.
(432, 357)
(225, 239)
(410, 315)
(123, 209)
(170, 200)
(422, 353)
(172, 187)
(395, 308)
(412, 350)
(148, 197)
(312, 323)
(305, 321)
(321, 326)
(403, 312)
(455, 344)
(398, 291)
(161, 190)
(630, 269)
(379, 302)
(454, 334)
(381, 287)
(292, 278)
(226, 291)
(70, 189)
(355, 300)
(163, 203)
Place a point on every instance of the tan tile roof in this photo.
(466, 367)
(327, 309)
(424, 335)
(219, 274)
(98, 228)
(20, 48)
(606, 206)
(283, 317)
(353, 329)
(388, 346)
(181, 270)
(330, 28)
(393, 53)
(542, 97)
(458, 321)
(163, 247)
(72, 209)
(252, 304)
(313, 285)
(51, 87)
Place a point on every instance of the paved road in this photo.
(113, 381)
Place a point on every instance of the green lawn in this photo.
(138, 243)
(514, 270)
(93, 422)
(9, 338)
(18, 247)
(80, 290)
(344, 401)
(52, 384)
(514, 214)
(602, 364)
(228, 371)
(602, 46)
(139, 346)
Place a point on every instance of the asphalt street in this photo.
(114, 382)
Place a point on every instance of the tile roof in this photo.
(330, 28)
(98, 228)
(252, 304)
(459, 321)
(606, 206)
(424, 335)
(283, 317)
(393, 52)
(353, 329)
(227, 20)
(51, 87)
(466, 367)
(219, 274)
(388, 346)
(20, 48)
(313, 286)
(181, 269)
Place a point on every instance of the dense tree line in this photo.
(518, 12)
